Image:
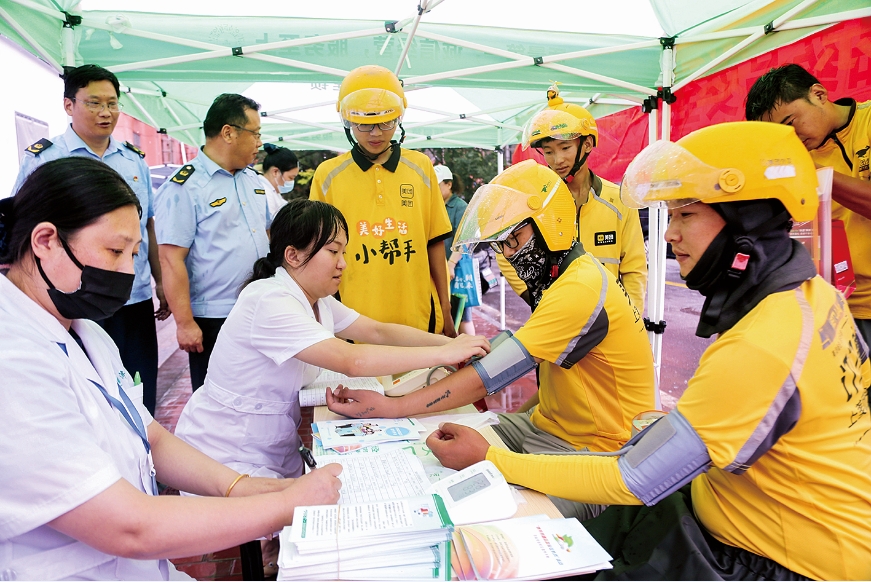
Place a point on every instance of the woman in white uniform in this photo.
(280, 168)
(79, 454)
(286, 326)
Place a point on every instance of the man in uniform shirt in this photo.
(211, 226)
(589, 342)
(91, 100)
(837, 134)
(566, 134)
(390, 197)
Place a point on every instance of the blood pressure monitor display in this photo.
(470, 486)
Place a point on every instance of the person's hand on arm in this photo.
(457, 446)
(176, 285)
(438, 273)
(163, 310)
(458, 389)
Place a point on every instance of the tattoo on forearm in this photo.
(365, 412)
(440, 398)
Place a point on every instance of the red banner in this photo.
(839, 56)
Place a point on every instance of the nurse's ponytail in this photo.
(306, 225)
(71, 193)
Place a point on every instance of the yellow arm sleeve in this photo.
(583, 478)
(510, 274)
(633, 263)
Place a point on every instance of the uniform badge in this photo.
(38, 147)
(606, 238)
(260, 191)
(218, 202)
(134, 149)
(406, 191)
(183, 174)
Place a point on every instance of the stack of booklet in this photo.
(533, 547)
(400, 539)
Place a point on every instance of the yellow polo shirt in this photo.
(853, 160)
(394, 212)
(597, 372)
(611, 232)
(781, 403)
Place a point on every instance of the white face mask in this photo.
(288, 186)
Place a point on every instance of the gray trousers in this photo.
(864, 328)
(521, 436)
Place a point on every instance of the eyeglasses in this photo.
(97, 107)
(368, 127)
(256, 134)
(511, 242)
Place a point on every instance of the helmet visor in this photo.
(494, 212)
(666, 175)
(370, 106)
(551, 124)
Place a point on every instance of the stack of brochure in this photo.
(531, 548)
(350, 435)
(399, 539)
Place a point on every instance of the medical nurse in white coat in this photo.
(286, 326)
(79, 454)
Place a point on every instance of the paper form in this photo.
(378, 476)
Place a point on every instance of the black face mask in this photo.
(529, 262)
(100, 294)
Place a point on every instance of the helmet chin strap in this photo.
(372, 157)
(579, 162)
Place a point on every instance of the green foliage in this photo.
(474, 167)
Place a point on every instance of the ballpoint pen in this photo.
(307, 456)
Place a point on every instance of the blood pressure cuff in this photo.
(663, 458)
(505, 363)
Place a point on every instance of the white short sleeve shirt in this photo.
(247, 413)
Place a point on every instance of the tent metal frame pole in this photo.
(420, 11)
(658, 217)
(39, 8)
(465, 117)
(144, 111)
(759, 33)
(798, 24)
(601, 78)
(521, 61)
(31, 41)
(177, 119)
(439, 136)
(299, 108)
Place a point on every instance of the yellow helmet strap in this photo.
(579, 161)
(370, 156)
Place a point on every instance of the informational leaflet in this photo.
(531, 549)
(315, 393)
(337, 433)
(378, 476)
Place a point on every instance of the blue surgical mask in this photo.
(288, 187)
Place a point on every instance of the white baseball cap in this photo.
(443, 173)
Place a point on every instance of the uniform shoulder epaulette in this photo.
(39, 147)
(183, 174)
(134, 149)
